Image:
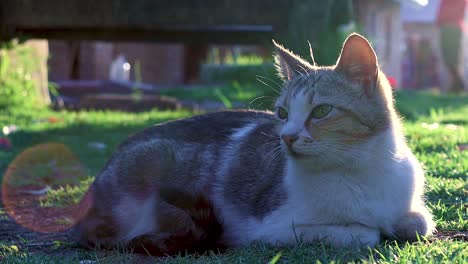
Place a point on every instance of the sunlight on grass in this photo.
(66, 196)
(233, 92)
(436, 127)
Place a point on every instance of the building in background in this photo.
(405, 36)
(381, 23)
(422, 64)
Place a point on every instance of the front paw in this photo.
(412, 225)
(361, 236)
(351, 236)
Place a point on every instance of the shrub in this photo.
(17, 86)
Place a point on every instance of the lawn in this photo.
(436, 127)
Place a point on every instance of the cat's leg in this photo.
(122, 203)
(139, 200)
(168, 221)
(111, 219)
(174, 230)
(186, 225)
(147, 223)
(96, 227)
(347, 236)
(352, 235)
(414, 224)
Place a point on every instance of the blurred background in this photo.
(77, 77)
(209, 54)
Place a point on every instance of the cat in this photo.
(329, 165)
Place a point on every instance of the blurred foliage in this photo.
(17, 86)
(230, 58)
(339, 23)
(327, 31)
(237, 73)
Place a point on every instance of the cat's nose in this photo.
(289, 139)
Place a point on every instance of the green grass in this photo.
(436, 126)
(249, 95)
(67, 195)
(77, 129)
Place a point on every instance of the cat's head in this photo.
(326, 112)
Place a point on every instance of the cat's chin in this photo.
(311, 162)
(296, 155)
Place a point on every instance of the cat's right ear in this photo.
(288, 64)
(359, 62)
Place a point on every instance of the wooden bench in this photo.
(188, 21)
(193, 22)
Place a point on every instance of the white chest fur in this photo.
(340, 205)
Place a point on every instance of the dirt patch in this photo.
(53, 241)
(24, 207)
(452, 235)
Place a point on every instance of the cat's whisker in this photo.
(348, 137)
(268, 135)
(267, 99)
(268, 144)
(304, 69)
(276, 157)
(340, 147)
(266, 84)
(276, 91)
(274, 151)
(356, 152)
(340, 150)
(269, 79)
(271, 151)
(354, 156)
(344, 149)
(300, 72)
(337, 157)
(270, 101)
(261, 104)
(343, 139)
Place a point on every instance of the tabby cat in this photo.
(330, 164)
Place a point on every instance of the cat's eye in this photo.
(321, 111)
(282, 113)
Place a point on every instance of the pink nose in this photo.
(289, 139)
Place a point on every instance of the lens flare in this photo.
(42, 188)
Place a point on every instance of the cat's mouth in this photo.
(295, 154)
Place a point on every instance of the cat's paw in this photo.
(352, 236)
(412, 225)
(362, 236)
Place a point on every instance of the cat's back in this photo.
(208, 128)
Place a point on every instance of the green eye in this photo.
(321, 111)
(282, 113)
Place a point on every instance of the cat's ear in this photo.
(288, 64)
(359, 62)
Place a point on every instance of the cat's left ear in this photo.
(290, 65)
(359, 62)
